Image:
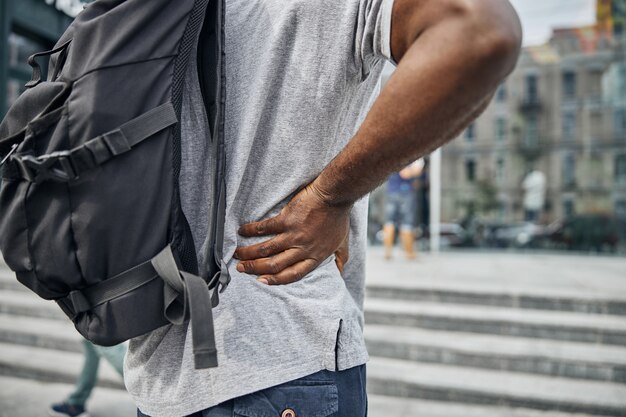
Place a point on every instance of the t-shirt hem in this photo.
(292, 372)
(352, 361)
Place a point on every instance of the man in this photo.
(300, 78)
(401, 206)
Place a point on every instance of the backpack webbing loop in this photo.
(196, 298)
(32, 61)
(64, 166)
(186, 296)
(81, 301)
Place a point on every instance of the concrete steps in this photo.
(27, 304)
(27, 398)
(486, 387)
(386, 406)
(21, 397)
(9, 282)
(475, 336)
(50, 365)
(439, 347)
(53, 334)
(546, 357)
(519, 297)
(575, 327)
(38, 342)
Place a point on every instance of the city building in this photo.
(27, 27)
(562, 112)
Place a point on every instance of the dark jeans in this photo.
(401, 208)
(322, 394)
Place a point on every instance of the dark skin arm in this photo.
(452, 55)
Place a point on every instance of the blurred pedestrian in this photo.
(534, 186)
(401, 207)
(74, 404)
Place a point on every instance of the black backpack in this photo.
(90, 213)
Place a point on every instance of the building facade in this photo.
(27, 27)
(562, 112)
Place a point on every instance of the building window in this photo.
(594, 84)
(500, 127)
(620, 169)
(595, 126)
(619, 124)
(569, 170)
(470, 133)
(569, 84)
(532, 92)
(595, 170)
(500, 170)
(20, 48)
(501, 93)
(531, 134)
(569, 125)
(618, 24)
(470, 170)
(620, 208)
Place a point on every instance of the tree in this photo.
(486, 197)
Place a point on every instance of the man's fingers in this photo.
(289, 275)
(265, 227)
(261, 250)
(270, 266)
(343, 254)
(340, 261)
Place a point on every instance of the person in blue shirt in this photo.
(401, 208)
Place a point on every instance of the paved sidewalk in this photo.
(528, 273)
(479, 274)
(28, 398)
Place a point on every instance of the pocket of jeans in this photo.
(305, 398)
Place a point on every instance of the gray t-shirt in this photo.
(301, 76)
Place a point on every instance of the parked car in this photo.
(519, 235)
(587, 232)
(450, 235)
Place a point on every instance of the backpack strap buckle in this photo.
(55, 166)
(74, 303)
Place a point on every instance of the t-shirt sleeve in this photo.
(373, 33)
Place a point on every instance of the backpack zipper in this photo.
(214, 254)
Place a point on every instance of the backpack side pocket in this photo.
(35, 223)
(13, 226)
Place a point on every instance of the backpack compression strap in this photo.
(68, 165)
(196, 295)
(186, 296)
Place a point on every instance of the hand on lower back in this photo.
(305, 233)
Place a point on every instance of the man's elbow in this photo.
(497, 34)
